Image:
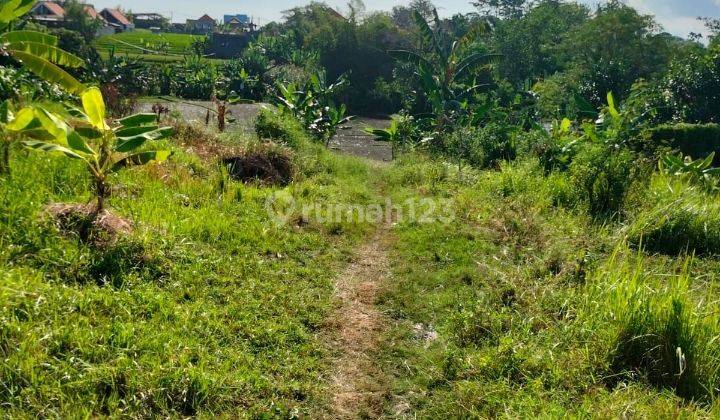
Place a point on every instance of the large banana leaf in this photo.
(21, 120)
(142, 158)
(49, 71)
(94, 106)
(427, 33)
(52, 54)
(409, 57)
(138, 119)
(584, 107)
(77, 143)
(474, 60)
(53, 124)
(128, 144)
(29, 36)
(13, 9)
(125, 132)
(51, 147)
(611, 105)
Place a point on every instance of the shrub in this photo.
(196, 79)
(482, 147)
(555, 96)
(695, 140)
(604, 176)
(551, 151)
(525, 180)
(675, 217)
(287, 131)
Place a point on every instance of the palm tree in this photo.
(445, 69)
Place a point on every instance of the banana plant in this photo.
(12, 127)
(402, 131)
(37, 51)
(698, 171)
(444, 70)
(333, 119)
(311, 104)
(104, 148)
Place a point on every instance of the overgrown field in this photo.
(147, 45)
(209, 308)
(525, 306)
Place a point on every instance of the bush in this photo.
(548, 149)
(524, 179)
(695, 140)
(195, 78)
(482, 147)
(555, 96)
(675, 217)
(604, 176)
(287, 131)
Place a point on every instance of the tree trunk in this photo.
(102, 190)
(5, 162)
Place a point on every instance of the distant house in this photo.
(239, 18)
(149, 20)
(52, 14)
(48, 12)
(204, 25)
(118, 20)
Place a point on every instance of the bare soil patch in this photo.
(359, 385)
(90, 226)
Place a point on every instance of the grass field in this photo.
(517, 305)
(142, 43)
(209, 308)
(523, 307)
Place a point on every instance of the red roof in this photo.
(91, 12)
(54, 8)
(206, 18)
(117, 16)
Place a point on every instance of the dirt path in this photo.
(359, 385)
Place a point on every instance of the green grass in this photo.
(539, 310)
(209, 308)
(178, 44)
(524, 305)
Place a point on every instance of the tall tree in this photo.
(531, 45)
(77, 20)
(616, 48)
(509, 9)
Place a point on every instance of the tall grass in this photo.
(673, 216)
(653, 327)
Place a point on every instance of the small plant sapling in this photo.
(104, 148)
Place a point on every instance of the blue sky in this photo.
(677, 16)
